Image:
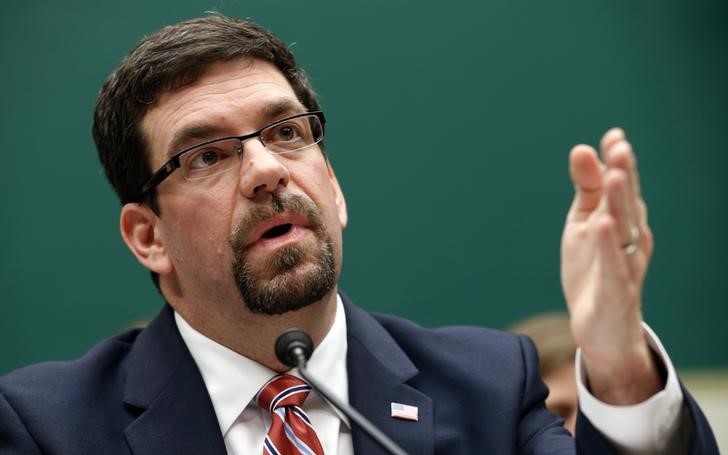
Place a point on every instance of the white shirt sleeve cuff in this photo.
(642, 428)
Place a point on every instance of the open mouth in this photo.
(277, 231)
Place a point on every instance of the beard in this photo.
(293, 277)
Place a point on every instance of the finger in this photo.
(611, 137)
(620, 204)
(620, 156)
(585, 170)
(619, 153)
(614, 261)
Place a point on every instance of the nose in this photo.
(261, 171)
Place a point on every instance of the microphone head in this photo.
(289, 343)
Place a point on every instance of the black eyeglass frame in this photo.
(175, 163)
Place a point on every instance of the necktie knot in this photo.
(281, 391)
(290, 431)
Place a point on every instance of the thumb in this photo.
(586, 173)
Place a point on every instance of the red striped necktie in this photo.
(290, 432)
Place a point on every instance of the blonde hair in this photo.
(551, 332)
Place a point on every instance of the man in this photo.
(212, 138)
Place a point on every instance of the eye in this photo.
(210, 159)
(201, 159)
(286, 132)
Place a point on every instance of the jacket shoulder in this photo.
(63, 394)
(97, 365)
(479, 356)
(452, 340)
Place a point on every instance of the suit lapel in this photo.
(378, 374)
(176, 415)
(165, 386)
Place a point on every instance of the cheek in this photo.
(311, 176)
(200, 227)
(325, 197)
(316, 183)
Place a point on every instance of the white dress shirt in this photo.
(232, 381)
(644, 428)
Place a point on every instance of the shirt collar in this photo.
(232, 380)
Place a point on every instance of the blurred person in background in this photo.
(556, 348)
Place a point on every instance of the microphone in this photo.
(293, 348)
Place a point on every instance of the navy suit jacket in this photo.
(478, 391)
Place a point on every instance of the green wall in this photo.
(449, 128)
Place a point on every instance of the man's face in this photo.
(268, 232)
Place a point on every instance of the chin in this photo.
(293, 280)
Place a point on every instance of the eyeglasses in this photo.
(291, 134)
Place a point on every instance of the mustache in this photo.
(279, 203)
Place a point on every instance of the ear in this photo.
(140, 231)
(338, 197)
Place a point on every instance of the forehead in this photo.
(229, 97)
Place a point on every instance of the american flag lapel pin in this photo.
(404, 411)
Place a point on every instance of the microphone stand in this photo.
(298, 355)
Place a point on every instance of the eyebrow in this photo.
(201, 132)
(191, 135)
(286, 105)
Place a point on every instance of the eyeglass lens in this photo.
(290, 135)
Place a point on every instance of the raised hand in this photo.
(605, 250)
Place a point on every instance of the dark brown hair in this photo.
(175, 56)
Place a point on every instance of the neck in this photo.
(254, 335)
